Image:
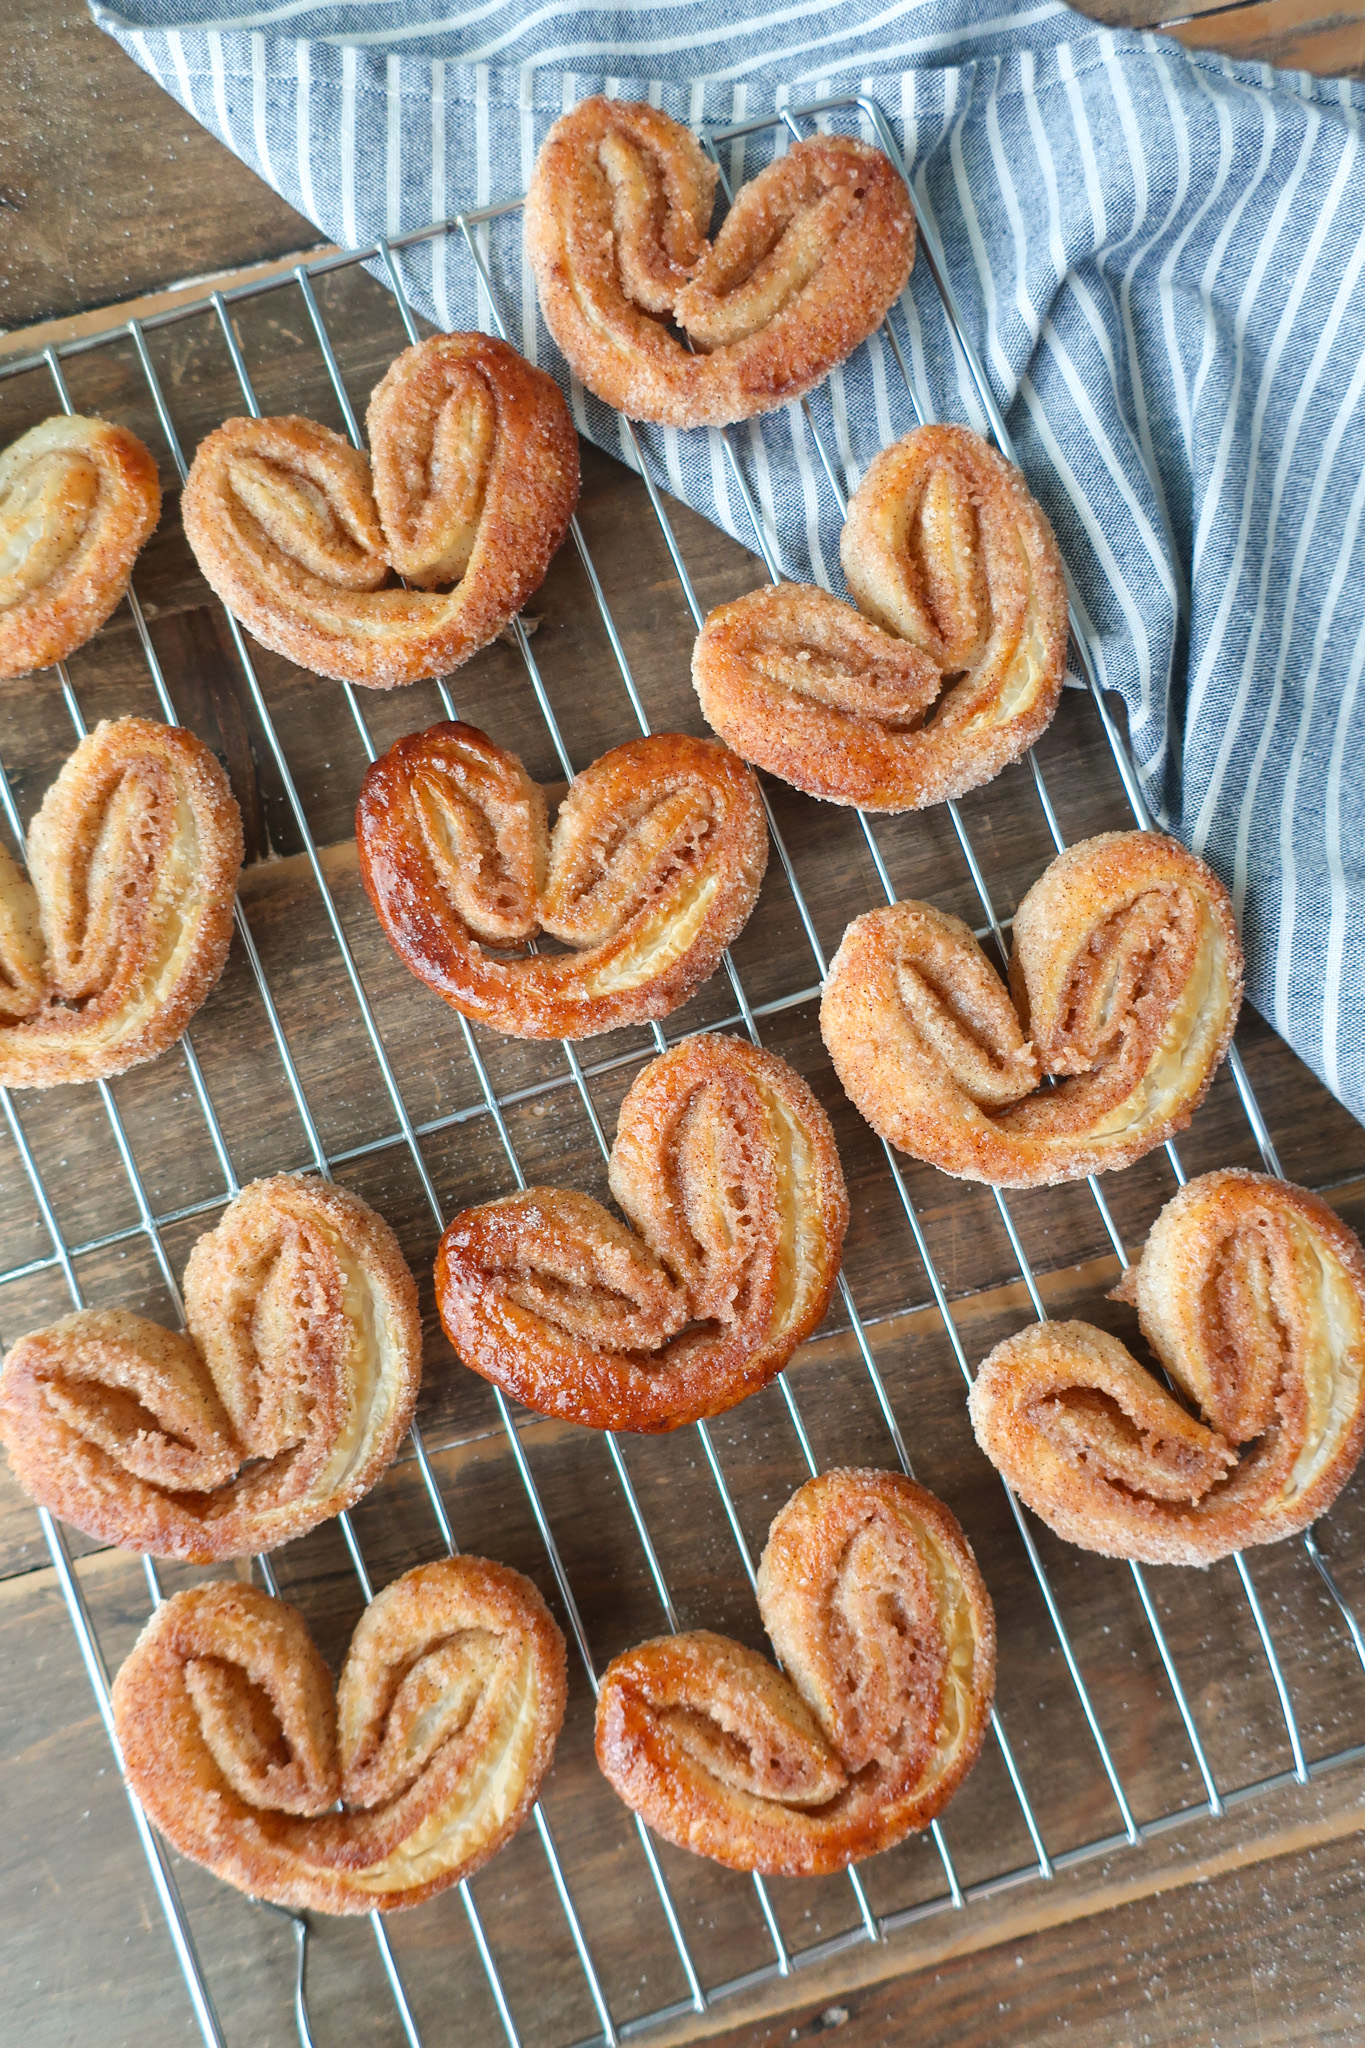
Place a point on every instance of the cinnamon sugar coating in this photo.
(281, 1405)
(474, 482)
(441, 1728)
(1125, 982)
(809, 257)
(725, 1167)
(78, 498)
(954, 668)
(122, 925)
(1251, 1292)
(652, 868)
(873, 1600)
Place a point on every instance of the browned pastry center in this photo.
(1252, 1294)
(1125, 981)
(442, 1726)
(725, 1165)
(952, 666)
(809, 257)
(474, 482)
(653, 866)
(873, 1600)
(281, 1406)
(122, 926)
(77, 500)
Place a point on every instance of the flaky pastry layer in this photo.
(281, 1405)
(122, 926)
(78, 498)
(951, 668)
(442, 1727)
(1251, 1292)
(873, 1600)
(809, 257)
(1124, 986)
(652, 868)
(725, 1167)
(474, 482)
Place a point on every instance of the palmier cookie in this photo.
(1252, 1295)
(810, 256)
(873, 1600)
(122, 926)
(283, 1403)
(441, 1728)
(1125, 982)
(474, 482)
(725, 1167)
(952, 666)
(653, 866)
(77, 500)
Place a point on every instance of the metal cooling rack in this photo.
(867, 1925)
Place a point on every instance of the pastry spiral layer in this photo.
(77, 500)
(122, 926)
(1252, 1294)
(725, 1166)
(810, 256)
(474, 482)
(652, 868)
(442, 1726)
(1125, 981)
(954, 671)
(873, 1600)
(281, 1406)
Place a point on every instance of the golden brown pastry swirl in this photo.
(810, 256)
(1251, 1292)
(725, 1166)
(1125, 981)
(77, 500)
(122, 926)
(875, 1605)
(952, 670)
(474, 482)
(442, 1727)
(653, 866)
(281, 1406)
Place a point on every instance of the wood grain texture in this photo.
(83, 1952)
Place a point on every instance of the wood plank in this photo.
(1303, 35)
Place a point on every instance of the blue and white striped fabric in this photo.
(1159, 256)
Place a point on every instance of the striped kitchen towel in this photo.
(1159, 256)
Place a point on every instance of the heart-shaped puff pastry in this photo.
(1125, 981)
(283, 1404)
(77, 500)
(474, 482)
(873, 1600)
(123, 924)
(810, 256)
(951, 667)
(725, 1165)
(442, 1727)
(1252, 1295)
(653, 866)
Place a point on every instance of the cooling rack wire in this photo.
(866, 1924)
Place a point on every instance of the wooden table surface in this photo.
(1243, 1931)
